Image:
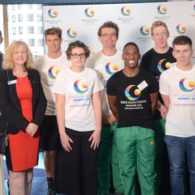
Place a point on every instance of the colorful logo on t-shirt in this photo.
(72, 33)
(125, 11)
(144, 30)
(162, 9)
(80, 86)
(111, 68)
(132, 92)
(53, 72)
(163, 65)
(181, 29)
(186, 85)
(52, 13)
(89, 12)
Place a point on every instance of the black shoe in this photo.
(51, 192)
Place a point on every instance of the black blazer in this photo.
(10, 108)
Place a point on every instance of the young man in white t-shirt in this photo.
(107, 62)
(177, 87)
(49, 67)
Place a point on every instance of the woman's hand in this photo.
(65, 141)
(31, 129)
(95, 139)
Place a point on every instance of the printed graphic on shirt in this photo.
(133, 94)
(52, 72)
(111, 68)
(186, 85)
(187, 95)
(163, 65)
(80, 86)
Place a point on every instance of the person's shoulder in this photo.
(148, 53)
(117, 75)
(147, 74)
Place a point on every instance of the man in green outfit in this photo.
(132, 95)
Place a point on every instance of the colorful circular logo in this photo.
(125, 11)
(52, 13)
(181, 29)
(111, 68)
(144, 30)
(89, 12)
(132, 93)
(162, 9)
(163, 65)
(186, 85)
(53, 72)
(72, 33)
(80, 86)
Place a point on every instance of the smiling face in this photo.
(131, 56)
(108, 37)
(19, 55)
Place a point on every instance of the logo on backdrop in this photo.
(111, 68)
(53, 72)
(52, 13)
(71, 32)
(163, 65)
(132, 92)
(80, 86)
(89, 12)
(125, 11)
(181, 29)
(186, 85)
(162, 9)
(144, 30)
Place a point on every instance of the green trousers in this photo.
(107, 158)
(136, 152)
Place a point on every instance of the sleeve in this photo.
(110, 86)
(98, 86)
(59, 84)
(164, 87)
(41, 103)
(12, 114)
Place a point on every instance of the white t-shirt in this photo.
(78, 89)
(106, 66)
(49, 69)
(180, 87)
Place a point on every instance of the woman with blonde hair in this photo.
(23, 103)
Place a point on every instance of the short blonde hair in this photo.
(157, 24)
(8, 57)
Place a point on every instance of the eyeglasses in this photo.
(76, 55)
(112, 35)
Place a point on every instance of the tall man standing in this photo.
(155, 61)
(132, 95)
(49, 66)
(177, 86)
(107, 62)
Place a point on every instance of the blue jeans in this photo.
(178, 148)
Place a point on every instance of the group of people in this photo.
(102, 120)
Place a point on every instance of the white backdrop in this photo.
(81, 22)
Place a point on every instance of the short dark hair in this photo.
(77, 44)
(108, 24)
(131, 43)
(182, 40)
(53, 31)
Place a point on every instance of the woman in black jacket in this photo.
(23, 103)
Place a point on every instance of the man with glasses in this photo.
(107, 62)
(49, 67)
